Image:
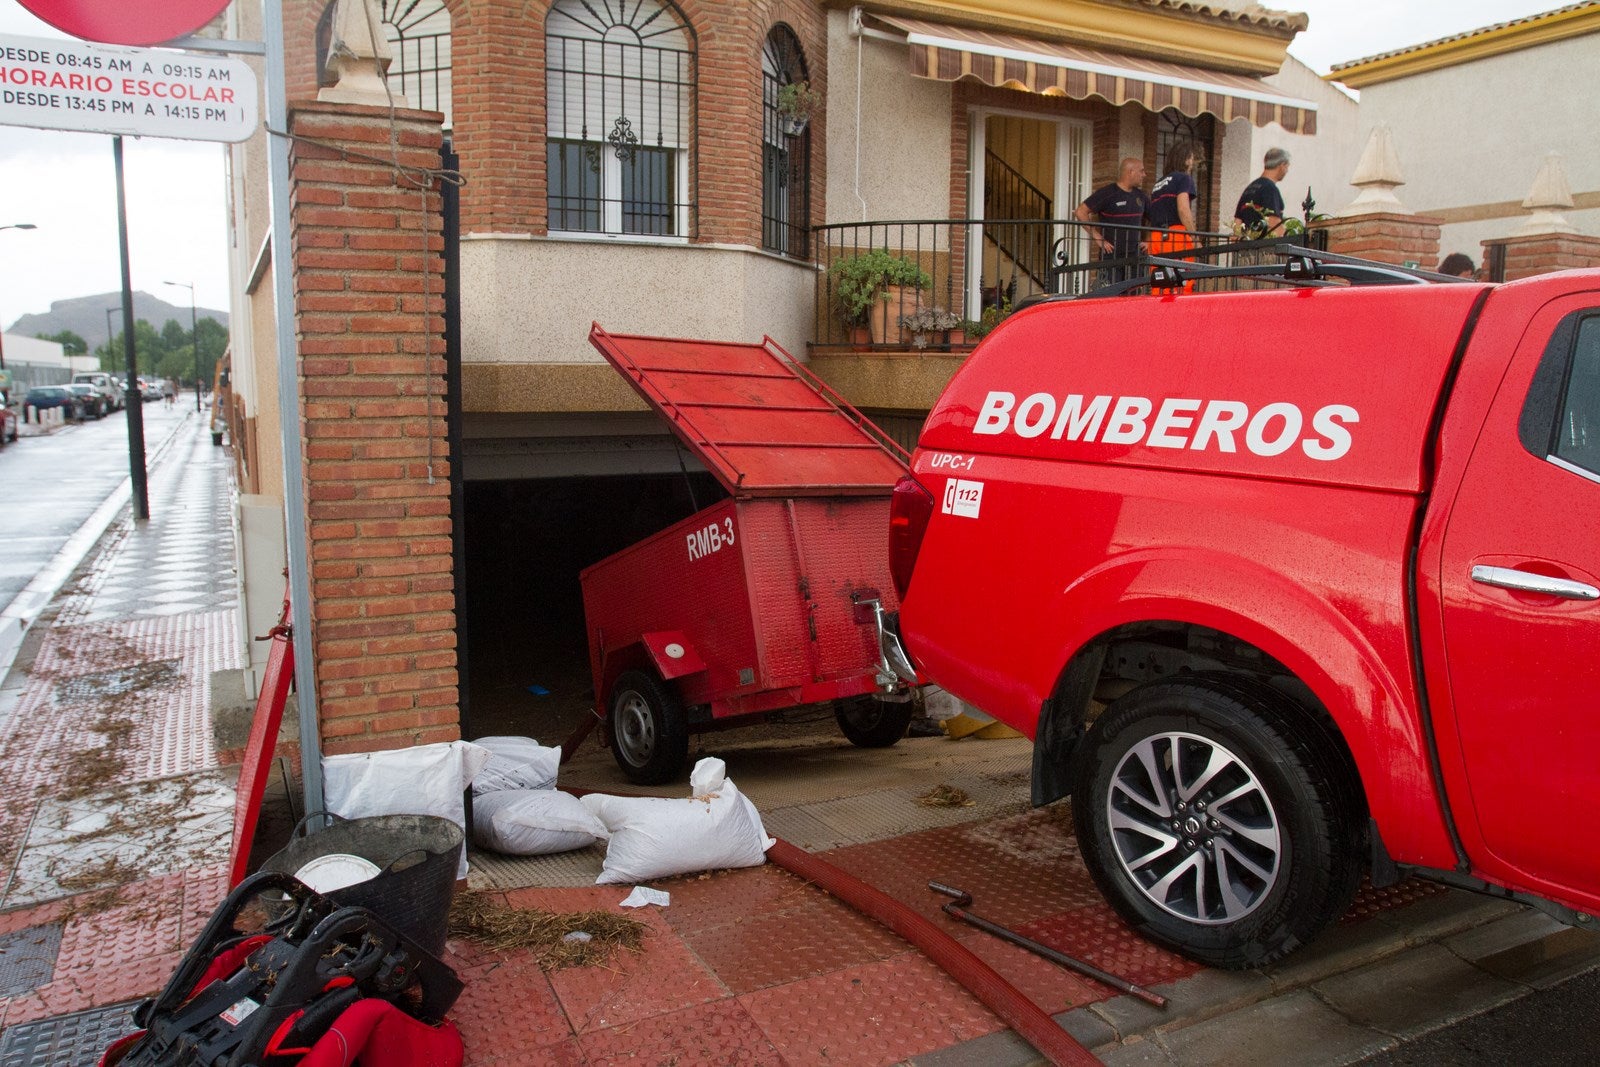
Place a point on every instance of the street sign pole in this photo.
(133, 402)
(296, 542)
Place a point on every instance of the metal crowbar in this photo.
(957, 909)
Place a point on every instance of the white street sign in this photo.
(141, 92)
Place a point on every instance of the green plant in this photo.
(929, 320)
(797, 100)
(988, 320)
(860, 280)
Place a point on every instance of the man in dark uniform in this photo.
(1121, 207)
(1260, 210)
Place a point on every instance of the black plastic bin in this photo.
(417, 857)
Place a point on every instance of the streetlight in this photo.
(11, 226)
(194, 337)
(110, 330)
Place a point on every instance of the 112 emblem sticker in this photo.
(962, 497)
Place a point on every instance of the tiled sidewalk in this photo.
(114, 834)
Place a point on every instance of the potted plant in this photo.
(977, 331)
(929, 325)
(797, 101)
(872, 286)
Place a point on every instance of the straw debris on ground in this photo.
(489, 922)
(946, 796)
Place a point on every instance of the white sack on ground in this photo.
(654, 837)
(533, 822)
(426, 780)
(516, 763)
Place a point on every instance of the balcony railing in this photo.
(978, 270)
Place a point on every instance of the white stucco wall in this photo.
(532, 300)
(1322, 162)
(1477, 133)
(904, 158)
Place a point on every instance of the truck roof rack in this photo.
(1301, 267)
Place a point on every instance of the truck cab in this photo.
(1288, 586)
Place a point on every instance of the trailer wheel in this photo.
(1215, 820)
(871, 722)
(649, 731)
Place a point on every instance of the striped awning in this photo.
(950, 53)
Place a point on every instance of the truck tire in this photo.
(870, 722)
(649, 731)
(1216, 820)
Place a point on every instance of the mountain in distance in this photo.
(86, 316)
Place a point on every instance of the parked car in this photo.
(8, 424)
(149, 389)
(91, 403)
(1339, 608)
(44, 397)
(109, 389)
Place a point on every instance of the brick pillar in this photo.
(377, 475)
(1543, 253)
(1385, 238)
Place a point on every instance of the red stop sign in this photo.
(138, 22)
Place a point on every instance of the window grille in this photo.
(785, 156)
(620, 95)
(418, 32)
(1173, 125)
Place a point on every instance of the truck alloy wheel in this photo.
(1212, 813)
(871, 722)
(649, 732)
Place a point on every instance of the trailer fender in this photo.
(672, 654)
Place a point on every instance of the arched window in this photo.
(785, 146)
(418, 32)
(621, 76)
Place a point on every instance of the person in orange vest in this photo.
(1172, 201)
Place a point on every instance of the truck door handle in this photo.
(1509, 578)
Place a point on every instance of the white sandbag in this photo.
(516, 763)
(654, 837)
(426, 780)
(533, 822)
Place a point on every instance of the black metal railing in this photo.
(970, 277)
(1009, 195)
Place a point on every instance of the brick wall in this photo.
(1546, 253)
(376, 466)
(1386, 238)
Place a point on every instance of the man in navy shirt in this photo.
(1260, 210)
(1121, 207)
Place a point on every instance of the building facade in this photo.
(706, 168)
(1473, 117)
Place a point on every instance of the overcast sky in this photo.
(64, 184)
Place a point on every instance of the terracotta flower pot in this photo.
(894, 302)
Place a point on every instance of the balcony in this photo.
(967, 274)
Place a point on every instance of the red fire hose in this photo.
(998, 995)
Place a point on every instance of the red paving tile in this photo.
(718, 1033)
(1097, 935)
(148, 925)
(38, 915)
(631, 986)
(507, 1005)
(1370, 901)
(1010, 885)
(1049, 985)
(877, 1013)
(702, 902)
(810, 938)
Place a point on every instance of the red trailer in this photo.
(767, 600)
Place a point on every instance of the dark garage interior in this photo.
(522, 620)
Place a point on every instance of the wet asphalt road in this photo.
(50, 483)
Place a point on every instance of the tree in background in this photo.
(169, 353)
(69, 341)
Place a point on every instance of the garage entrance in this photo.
(522, 612)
